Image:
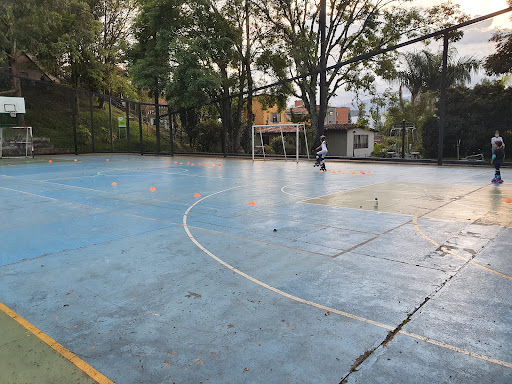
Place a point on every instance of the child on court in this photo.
(320, 155)
(497, 160)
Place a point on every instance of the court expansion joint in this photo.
(398, 330)
(392, 331)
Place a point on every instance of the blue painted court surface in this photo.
(368, 273)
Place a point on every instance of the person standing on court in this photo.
(496, 137)
(497, 160)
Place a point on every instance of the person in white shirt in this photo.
(320, 155)
(496, 137)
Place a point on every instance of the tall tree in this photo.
(500, 63)
(25, 26)
(423, 71)
(354, 27)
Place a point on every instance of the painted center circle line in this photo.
(323, 307)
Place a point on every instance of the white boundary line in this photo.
(323, 307)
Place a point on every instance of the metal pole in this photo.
(252, 143)
(157, 122)
(127, 124)
(403, 138)
(282, 140)
(297, 138)
(110, 124)
(92, 121)
(75, 112)
(140, 130)
(306, 140)
(262, 145)
(442, 101)
(170, 131)
(323, 73)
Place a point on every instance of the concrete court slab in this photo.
(24, 359)
(150, 306)
(409, 361)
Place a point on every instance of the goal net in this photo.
(263, 134)
(16, 142)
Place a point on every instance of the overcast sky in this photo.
(476, 37)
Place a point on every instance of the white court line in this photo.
(323, 307)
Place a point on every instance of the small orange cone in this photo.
(361, 172)
(333, 171)
(152, 189)
(175, 162)
(252, 203)
(369, 172)
(168, 162)
(352, 172)
(188, 162)
(107, 160)
(198, 163)
(50, 161)
(181, 163)
(220, 165)
(197, 195)
(75, 160)
(206, 165)
(192, 164)
(508, 200)
(114, 183)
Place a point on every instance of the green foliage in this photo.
(472, 116)
(210, 136)
(289, 143)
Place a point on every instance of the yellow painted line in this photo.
(323, 307)
(457, 349)
(444, 249)
(74, 359)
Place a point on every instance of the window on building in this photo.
(276, 118)
(360, 141)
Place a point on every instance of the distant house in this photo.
(349, 140)
(29, 67)
(333, 115)
(265, 116)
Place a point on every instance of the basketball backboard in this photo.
(12, 105)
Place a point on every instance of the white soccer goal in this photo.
(16, 142)
(281, 129)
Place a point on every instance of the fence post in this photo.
(157, 122)
(110, 124)
(140, 130)
(170, 130)
(92, 121)
(127, 124)
(403, 138)
(75, 112)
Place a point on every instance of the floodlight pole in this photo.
(442, 101)
(323, 74)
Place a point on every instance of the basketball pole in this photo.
(323, 74)
(442, 101)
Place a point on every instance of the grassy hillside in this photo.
(49, 113)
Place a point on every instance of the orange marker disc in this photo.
(152, 189)
(197, 195)
(114, 183)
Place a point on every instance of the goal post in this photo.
(279, 129)
(16, 142)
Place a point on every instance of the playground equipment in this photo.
(406, 131)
